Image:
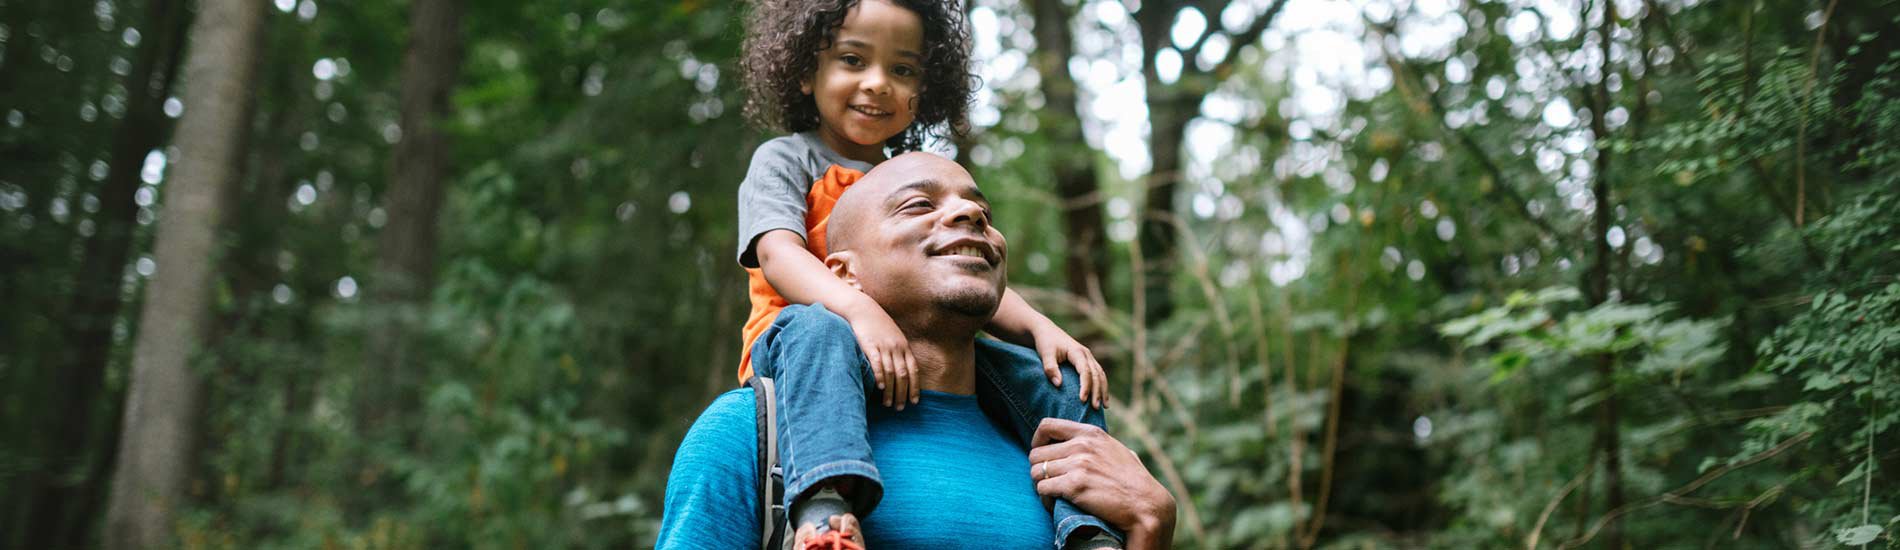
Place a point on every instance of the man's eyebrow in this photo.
(923, 185)
(928, 186)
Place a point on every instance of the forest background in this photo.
(1379, 273)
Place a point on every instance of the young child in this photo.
(848, 79)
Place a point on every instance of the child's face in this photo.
(868, 80)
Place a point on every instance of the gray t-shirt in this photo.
(773, 193)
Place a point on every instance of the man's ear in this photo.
(844, 265)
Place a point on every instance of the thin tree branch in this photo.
(1131, 421)
(1679, 492)
(1249, 36)
(1330, 444)
(1436, 108)
(1801, 134)
(1537, 530)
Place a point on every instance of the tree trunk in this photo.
(1171, 106)
(1073, 168)
(1597, 285)
(57, 505)
(161, 410)
(405, 255)
(1168, 117)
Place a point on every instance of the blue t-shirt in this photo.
(953, 478)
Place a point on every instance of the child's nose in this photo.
(875, 82)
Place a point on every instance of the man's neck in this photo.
(946, 354)
(946, 366)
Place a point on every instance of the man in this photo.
(953, 476)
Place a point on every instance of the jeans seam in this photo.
(1009, 398)
(832, 469)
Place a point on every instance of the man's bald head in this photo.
(848, 216)
(914, 235)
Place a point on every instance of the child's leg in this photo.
(822, 380)
(1011, 383)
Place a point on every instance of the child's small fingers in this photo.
(900, 391)
(1085, 381)
(910, 365)
(883, 369)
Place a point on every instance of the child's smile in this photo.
(867, 82)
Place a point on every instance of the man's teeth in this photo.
(966, 250)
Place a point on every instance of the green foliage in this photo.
(1378, 304)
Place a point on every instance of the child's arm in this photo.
(1019, 324)
(801, 278)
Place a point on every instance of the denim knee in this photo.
(814, 321)
(803, 330)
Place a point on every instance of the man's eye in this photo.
(920, 203)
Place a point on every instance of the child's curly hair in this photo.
(783, 38)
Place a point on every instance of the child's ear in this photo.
(843, 265)
(804, 85)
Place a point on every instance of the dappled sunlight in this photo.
(1362, 273)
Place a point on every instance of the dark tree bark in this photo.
(1597, 288)
(419, 171)
(1077, 185)
(63, 503)
(162, 402)
(1171, 106)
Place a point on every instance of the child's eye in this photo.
(907, 71)
(852, 60)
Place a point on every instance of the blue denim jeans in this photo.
(821, 407)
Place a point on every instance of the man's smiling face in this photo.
(924, 238)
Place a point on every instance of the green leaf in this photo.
(1858, 535)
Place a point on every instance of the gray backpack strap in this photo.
(773, 520)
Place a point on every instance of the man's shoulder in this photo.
(1001, 353)
(732, 411)
(724, 430)
(712, 493)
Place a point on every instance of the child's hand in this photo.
(1056, 346)
(888, 351)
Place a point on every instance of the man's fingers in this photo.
(1057, 451)
(1061, 486)
(1056, 429)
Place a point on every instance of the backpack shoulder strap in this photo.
(772, 520)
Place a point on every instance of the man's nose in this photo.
(966, 212)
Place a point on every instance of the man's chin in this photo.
(972, 303)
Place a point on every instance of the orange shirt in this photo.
(766, 302)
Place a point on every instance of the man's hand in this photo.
(1056, 346)
(888, 351)
(1082, 464)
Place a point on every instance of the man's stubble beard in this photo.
(971, 302)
